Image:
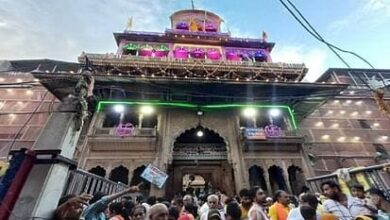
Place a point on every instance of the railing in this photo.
(80, 181)
(175, 63)
(375, 176)
(138, 132)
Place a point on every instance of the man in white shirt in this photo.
(343, 206)
(305, 199)
(212, 204)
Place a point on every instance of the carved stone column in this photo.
(285, 175)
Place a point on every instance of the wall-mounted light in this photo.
(341, 139)
(249, 112)
(325, 137)
(119, 108)
(368, 112)
(275, 112)
(342, 112)
(356, 138)
(146, 110)
(319, 124)
(199, 133)
(348, 101)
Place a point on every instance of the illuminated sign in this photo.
(255, 134)
(124, 130)
(273, 131)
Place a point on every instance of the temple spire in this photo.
(192, 4)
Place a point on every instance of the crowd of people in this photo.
(250, 204)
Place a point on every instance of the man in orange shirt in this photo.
(280, 209)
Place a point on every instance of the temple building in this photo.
(199, 103)
(215, 113)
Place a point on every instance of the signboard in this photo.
(154, 175)
(124, 130)
(273, 131)
(270, 131)
(255, 134)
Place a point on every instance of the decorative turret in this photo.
(196, 21)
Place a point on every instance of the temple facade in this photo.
(209, 109)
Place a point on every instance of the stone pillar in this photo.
(285, 175)
(162, 150)
(267, 181)
(45, 183)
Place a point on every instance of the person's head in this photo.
(358, 191)
(212, 201)
(309, 199)
(376, 196)
(115, 208)
(158, 211)
(281, 197)
(268, 201)
(258, 195)
(151, 200)
(96, 197)
(214, 214)
(73, 211)
(187, 199)
(331, 189)
(139, 213)
(139, 199)
(233, 211)
(192, 209)
(173, 213)
(246, 199)
(308, 212)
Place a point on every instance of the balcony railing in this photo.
(137, 132)
(80, 181)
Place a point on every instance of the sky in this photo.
(62, 29)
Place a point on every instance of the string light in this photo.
(376, 124)
(330, 112)
(2, 79)
(19, 80)
(359, 102)
(9, 90)
(342, 112)
(368, 112)
(384, 138)
(29, 92)
(336, 101)
(351, 92)
(348, 102)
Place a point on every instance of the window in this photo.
(111, 119)
(364, 124)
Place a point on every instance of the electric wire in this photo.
(313, 32)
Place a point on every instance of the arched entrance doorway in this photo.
(201, 152)
(256, 177)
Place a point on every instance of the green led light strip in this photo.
(101, 105)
